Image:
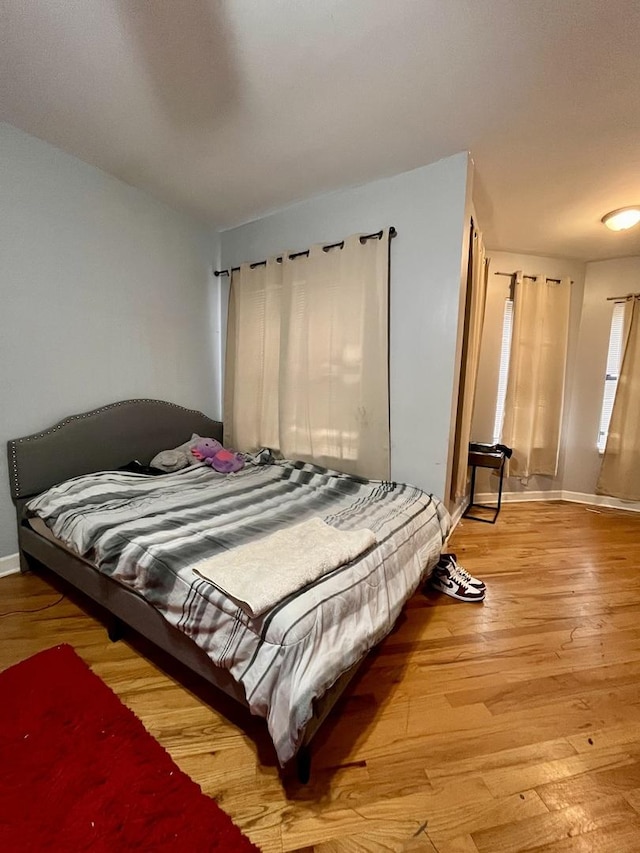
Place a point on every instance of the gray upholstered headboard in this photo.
(103, 439)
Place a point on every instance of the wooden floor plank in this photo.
(494, 728)
(620, 838)
(545, 830)
(399, 838)
(503, 782)
(506, 761)
(591, 785)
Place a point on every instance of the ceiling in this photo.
(232, 108)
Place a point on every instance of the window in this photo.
(614, 358)
(503, 375)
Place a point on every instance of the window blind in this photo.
(503, 374)
(614, 359)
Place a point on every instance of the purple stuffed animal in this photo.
(213, 453)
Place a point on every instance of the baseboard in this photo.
(601, 500)
(491, 499)
(456, 515)
(9, 565)
(559, 495)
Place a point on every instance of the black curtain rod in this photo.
(511, 275)
(623, 298)
(377, 235)
(532, 277)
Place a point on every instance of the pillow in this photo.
(178, 458)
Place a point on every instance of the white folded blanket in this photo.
(260, 574)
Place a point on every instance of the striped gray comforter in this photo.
(149, 532)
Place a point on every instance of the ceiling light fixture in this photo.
(623, 218)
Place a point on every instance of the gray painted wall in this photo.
(429, 207)
(103, 296)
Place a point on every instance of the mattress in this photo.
(148, 533)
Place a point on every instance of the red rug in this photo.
(78, 770)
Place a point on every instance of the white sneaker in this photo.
(448, 562)
(452, 583)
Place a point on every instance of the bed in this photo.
(135, 544)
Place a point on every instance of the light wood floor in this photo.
(508, 726)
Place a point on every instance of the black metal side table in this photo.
(494, 459)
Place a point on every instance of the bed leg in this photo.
(25, 566)
(115, 629)
(303, 764)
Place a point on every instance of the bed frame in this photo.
(106, 439)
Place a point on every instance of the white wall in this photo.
(428, 207)
(603, 279)
(487, 386)
(103, 296)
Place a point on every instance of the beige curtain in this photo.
(620, 471)
(252, 357)
(535, 390)
(306, 369)
(474, 321)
